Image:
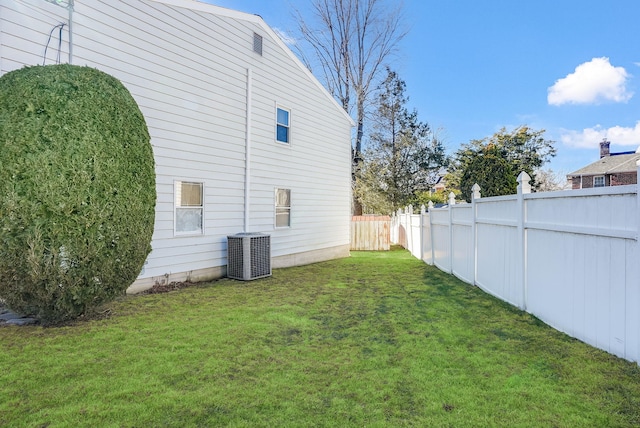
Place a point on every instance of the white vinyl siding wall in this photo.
(187, 69)
(24, 29)
(194, 104)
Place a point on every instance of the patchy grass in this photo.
(378, 339)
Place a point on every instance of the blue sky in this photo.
(571, 67)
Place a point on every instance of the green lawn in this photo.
(376, 340)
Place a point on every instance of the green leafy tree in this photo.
(77, 190)
(423, 198)
(523, 149)
(491, 171)
(404, 155)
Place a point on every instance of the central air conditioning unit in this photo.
(249, 256)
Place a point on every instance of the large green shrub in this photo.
(77, 190)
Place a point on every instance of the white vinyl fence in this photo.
(571, 258)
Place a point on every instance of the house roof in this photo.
(610, 165)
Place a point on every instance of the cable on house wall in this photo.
(60, 27)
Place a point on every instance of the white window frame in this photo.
(282, 208)
(287, 125)
(604, 182)
(177, 205)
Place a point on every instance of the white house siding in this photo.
(186, 64)
(24, 30)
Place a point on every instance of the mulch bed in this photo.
(165, 288)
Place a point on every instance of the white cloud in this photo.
(285, 37)
(591, 83)
(591, 137)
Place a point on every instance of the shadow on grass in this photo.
(376, 339)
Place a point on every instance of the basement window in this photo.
(283, 207)
(189, 208)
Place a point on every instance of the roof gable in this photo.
(256, 19)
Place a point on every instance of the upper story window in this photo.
(598, 181)
(282, 125)
(189, 208)
(283, 207)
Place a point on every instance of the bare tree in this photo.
(551, 181)
(351, 40)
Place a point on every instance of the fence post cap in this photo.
(452, 198)
(475, 191)
(523, 183)
(430, 205)
(423, 209)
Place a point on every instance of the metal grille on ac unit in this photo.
(249, 256)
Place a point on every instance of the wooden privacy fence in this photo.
(571, 258)
(370, 233)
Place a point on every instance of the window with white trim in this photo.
(282, 125)
(189, 208)
(598, 181)
(283, 207)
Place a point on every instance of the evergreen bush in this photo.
(77, 190)
(491, 171)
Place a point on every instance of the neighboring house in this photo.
(612, 169)
(245, 139)
(441, 182)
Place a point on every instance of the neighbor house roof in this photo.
(610, 165)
